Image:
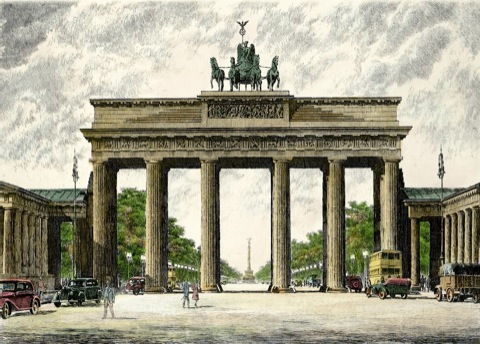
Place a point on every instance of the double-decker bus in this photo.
(383, 265)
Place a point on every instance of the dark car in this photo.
(354, 283)
(78, 291)
(17, 295)
(136, 285)
(392, 287)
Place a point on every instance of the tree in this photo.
(359, 235)
(424, 248)
(66, 236)
(264, 272)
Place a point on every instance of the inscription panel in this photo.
(263, 110)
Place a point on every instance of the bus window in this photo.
(384, 255)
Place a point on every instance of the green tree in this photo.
(66, 236)
(424, 248)
(227, 270)
(263, 274)
(359, 235)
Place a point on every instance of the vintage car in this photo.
(392, 287)
(17, 295)
(354, 283)
(78, 291)
(458, 282)
(136, 285)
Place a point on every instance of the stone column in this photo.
(389, 205)
(447, 235)
(475, 234)
(1, 239)
(38, 245)
(415, 251)
(325, 225)
(377, 176)
(210, 226)
(156, 227)
(44, 254)
(32, 222)
(25, 242)
(111, 224)
(281, 225)
(8, 253)
(99, 220)
(461, 236)
(468, 236)
(336, 229)
(454, 238)
(17, 232)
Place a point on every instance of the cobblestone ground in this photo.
(235, 317)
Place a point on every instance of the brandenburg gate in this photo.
(255, 129)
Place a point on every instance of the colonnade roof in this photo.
(430, 194)
(62, 195)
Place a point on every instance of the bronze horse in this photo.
(245, 74)
(217, 74)
(273, 74)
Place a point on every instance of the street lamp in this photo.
(365, 269)
(143, 260)
(129, 260)
(352, 258)
(75, 179)
(441, 173)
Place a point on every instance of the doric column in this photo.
(281, 225)
(44, 253)
(447, 224)
(210, 263)
(415, 251)
(111, 270)
(156, 227)
(25, 242)
(32, 222)
(38, 245)
(468, 236)
(336, 228)
(475, 234)
(99, 220)
(8, 253)
(1, 239)
(461, 236)
(454, 238)
(377, 176)
(17, 233)
(325, 225)
(389, 204)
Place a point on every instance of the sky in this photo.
(54, 57)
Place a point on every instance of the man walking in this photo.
(108, 299)
(186, 292)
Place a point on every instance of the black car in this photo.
(78, 291)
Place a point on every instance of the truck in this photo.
(458, 282)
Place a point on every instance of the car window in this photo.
(28, 286)
(7, 286)
(20, 286)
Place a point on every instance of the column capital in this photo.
(153, 161)
(391, 160)
(282, 160)
(339, 160)
(208, 160)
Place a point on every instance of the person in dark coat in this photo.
(186, 292)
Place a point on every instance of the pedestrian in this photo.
(195, 296)
(108, 299)
(186, 292)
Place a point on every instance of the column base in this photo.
(280, 290)
(336, 290)
(210, 289)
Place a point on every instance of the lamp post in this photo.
(142, 259)
(441, 173)
(74, 239)
(352, 264)
(129, 260)
(365, 267)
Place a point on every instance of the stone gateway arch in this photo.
(216, 130)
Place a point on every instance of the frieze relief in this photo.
(270, 143)
(243, 110)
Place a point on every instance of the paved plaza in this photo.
(247, 317)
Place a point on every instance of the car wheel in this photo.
(438, 294)
(382, 294)
(57, 304)
(5, 310)
(476, 298)
(35, 307)
(404, 296)
(450, 295)
(368, 292)
(135, 292)
(97, 302)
